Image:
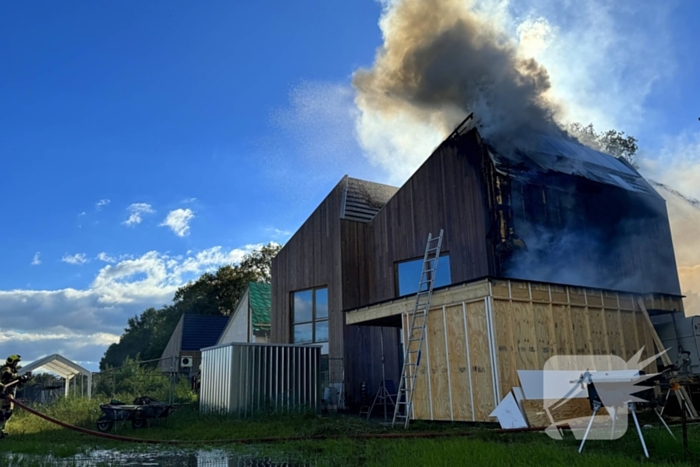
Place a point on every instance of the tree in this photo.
(214, 293)
(612, 142)
(218, 293)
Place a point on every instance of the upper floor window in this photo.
(408, 275)
(310, 317)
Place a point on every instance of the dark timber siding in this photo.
(446, 192)
(312, 258)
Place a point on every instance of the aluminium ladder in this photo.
(416, 335)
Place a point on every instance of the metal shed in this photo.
(62, 367)
(246, 378)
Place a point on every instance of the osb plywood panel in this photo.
(646, 340)
(616, 342)
(482, 382)
(581, 332)
(598, 336)
(421, 395)
(439, 377)
(594, 298)
(544, 331)
(563, 329)
(505, 345)
(524, 335)
(629, 327)
(458, 363)
(500, 288)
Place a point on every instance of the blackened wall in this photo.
(580, 232)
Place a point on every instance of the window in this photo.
(408, 275)
(310, 317)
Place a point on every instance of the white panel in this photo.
(558, 384)
(237, 327)
(508, 414)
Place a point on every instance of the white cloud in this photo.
(101, 203)
(677, 164)
(684, 218)
(58, 333)
(178, 221)
(78, 258)
(106, 258)
(137, 210)
(80, 323)
(35, 260)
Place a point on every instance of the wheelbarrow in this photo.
(139, 413)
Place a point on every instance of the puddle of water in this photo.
(202, 458)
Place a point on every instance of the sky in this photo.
(144, 143)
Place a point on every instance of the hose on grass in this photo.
(267, 440)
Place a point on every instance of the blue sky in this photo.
(222, 125)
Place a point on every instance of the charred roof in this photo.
(546, 154)
(563, 212)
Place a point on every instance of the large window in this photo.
(408, 275)
(310, 317)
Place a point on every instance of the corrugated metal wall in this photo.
(245, 379)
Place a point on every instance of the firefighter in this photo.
(9, 380)
(197, 380)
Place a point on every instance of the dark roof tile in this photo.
(201, 331)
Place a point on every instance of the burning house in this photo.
(547, 247)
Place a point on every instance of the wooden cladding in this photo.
(446, 192)
(328, 251)
(474, 348)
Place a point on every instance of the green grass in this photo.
(474, 445)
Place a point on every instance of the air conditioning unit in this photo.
(186, 362)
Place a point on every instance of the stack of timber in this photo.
(480, 333)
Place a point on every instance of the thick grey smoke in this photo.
(440, 61)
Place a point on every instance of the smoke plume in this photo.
(684, 217)
(439, 62)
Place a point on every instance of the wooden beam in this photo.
(468, 292)
(667, 360)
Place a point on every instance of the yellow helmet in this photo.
(13, 359)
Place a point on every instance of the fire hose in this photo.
(267, 440)
(255, 440)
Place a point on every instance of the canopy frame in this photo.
(61, 366)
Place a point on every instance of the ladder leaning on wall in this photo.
(414, 338)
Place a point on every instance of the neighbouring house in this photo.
(546, 251)
(192, 333)
(250, 321)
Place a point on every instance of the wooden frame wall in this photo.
(475, 345)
